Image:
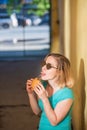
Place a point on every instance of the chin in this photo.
(43, 78)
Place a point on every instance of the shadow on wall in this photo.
(82, 93)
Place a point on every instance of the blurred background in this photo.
(24, 41)
(29, 30)
(24, 28)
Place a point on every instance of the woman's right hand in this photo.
(28, 86)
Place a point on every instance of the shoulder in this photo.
(67, 93)
(64, 94)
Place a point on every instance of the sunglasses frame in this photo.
(48, 65)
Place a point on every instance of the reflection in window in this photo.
(24, 28)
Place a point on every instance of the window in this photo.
(24, 28)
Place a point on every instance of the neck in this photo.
(54, 86)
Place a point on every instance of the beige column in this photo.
(67, 28)
(76, 49)
(54, 26)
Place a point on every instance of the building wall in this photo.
(77, 53)
(75, 48)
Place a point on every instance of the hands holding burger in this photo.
(35, 85)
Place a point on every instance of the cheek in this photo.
(52, 75)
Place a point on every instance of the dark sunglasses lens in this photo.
(48, 66)
(43, 63)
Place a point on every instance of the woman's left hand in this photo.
(40, 91)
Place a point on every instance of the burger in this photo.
(35, 81)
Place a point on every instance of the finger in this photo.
(36, 90)
(41, 86)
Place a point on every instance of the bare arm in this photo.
(34, 103)
(32, 98)
(56, 115)
(59, 112)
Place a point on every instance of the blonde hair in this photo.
(64, 68)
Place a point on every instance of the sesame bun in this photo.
(34, 83)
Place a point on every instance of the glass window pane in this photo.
(24, 28)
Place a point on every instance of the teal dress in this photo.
(65, 124)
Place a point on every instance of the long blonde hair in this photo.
(64, 68)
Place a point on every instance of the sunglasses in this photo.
(48, 65)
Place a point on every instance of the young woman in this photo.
(53, 96)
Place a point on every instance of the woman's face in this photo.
(50, 73)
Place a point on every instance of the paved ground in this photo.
(15, 112)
